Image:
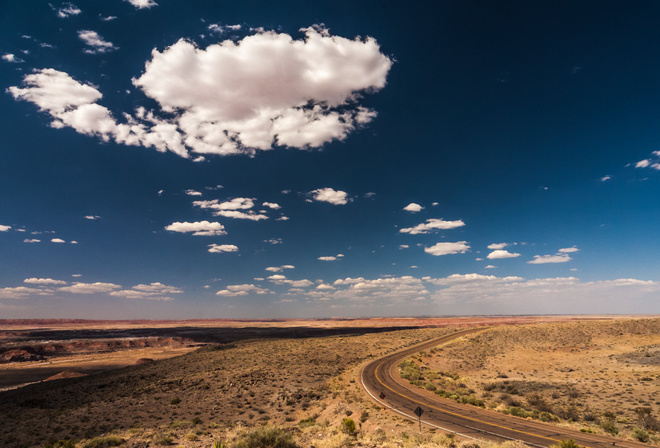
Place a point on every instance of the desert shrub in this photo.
(307, 422)
(570, 443)
(61, 444)
(163, 440)
(548, 417)
(219, 444)
(569, 413)
(102, 442)
(410, 370)
(609, 426)
(518, 412)
(191, 437)
(364, 416)
(176, 400)
(266, 437)
(348, 426)
(641, 434)
(429, 386)
(538, 402)
(646, 419)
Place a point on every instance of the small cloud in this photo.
(403, 246)
(279, 268)
(605, 178)
(335, 197)
(57, 240)
(73, 242)
(193, 193)
(331, 258)
(274, 241)
(459, 247)
(221, 248)
(490, 266)
(108, 18)
(76, 275)
(272, 205)
(43, 281)
(282, 218)
(497, 254)
(9, 57)
(4, 228)
(432, 225)
(543, 259)
(201, 228)
(92, 217)
(496, 246)
(67, 10)
(413, 208)
(220, 29)
(90, 288)
(31, 240)
(369, 195)
(141, 4)
(96, 43)
(569, 250)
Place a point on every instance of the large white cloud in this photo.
(44, 281)
(265, 90)
(431, 225)
(458, 247)
(336, 197)
(201, 228)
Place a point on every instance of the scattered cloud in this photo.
(201, 228)
(90, 288)
(4, 228)
(272, 205)
(92, 217)
(413, 208)
(280, 268)
(57, 240)
(193, 193)
(331, 258)
(141, 4)
(221, 29)
(31, 240)
(403, 246)
(568, 250)
(279, 279)
(490, 266)
(95, 42)
(242, 290)
(22, 292)
(221, 248)
(336, 197)
(9, 57)
(152, 291)
(500, 253)
(432, 225)
(496, 246)
(652, 162)
(605, 178)
(274, 241)
(44, 281)
(459, 247)
(543, 259)
(67, 10)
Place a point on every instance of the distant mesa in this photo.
(65, 374)
(19, 355)
(144, 361)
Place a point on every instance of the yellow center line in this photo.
(458, 415)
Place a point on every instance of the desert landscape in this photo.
(196, 383)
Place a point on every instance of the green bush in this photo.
(176, 400)
(641, 434)
(410, 370)
(266, 437)
(163, 440)
(61, 444)
(218, 444)
(348, 426)
(307, 422)
(364, 416)
(609, 426)
(102, 442)
(570, 443)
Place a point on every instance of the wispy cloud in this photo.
(95, 42)
(432, 225)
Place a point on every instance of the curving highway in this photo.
(380, 379)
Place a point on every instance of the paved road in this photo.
(381, 377)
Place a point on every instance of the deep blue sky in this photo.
(529, 127)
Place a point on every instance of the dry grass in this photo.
(594, 376)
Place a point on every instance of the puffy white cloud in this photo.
(140, 4)
(279, 268)
(458, 247)
(432, 225)
(67, 10)
(252, 216)
(158, 288)
(331, 258)
(201, 228)
(9, 57)
(57, 240)
(31, 240)
(455, 279)
(22, 292)
(193, 193)
(220, 248)
(653, 161)
(414, 208)
(152, 291)
(496, 246)
(95, 42)
(543, 259)
(500, 253)
(279, 279)
(232, 208)
(43, 281)
(272, 205)
(568, 250)
(90, 288)
(403, 246)
(336, 197)
(4, 228)
(242, 290)
(220, 29)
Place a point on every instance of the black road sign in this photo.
(419, 412)
(382, 396)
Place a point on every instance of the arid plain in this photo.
(193, 383)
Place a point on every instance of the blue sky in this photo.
(211, 159)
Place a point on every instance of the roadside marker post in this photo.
(418, 412)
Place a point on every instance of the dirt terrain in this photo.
(298, 375)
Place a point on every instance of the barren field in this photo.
(301, 376)
(600, 377)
